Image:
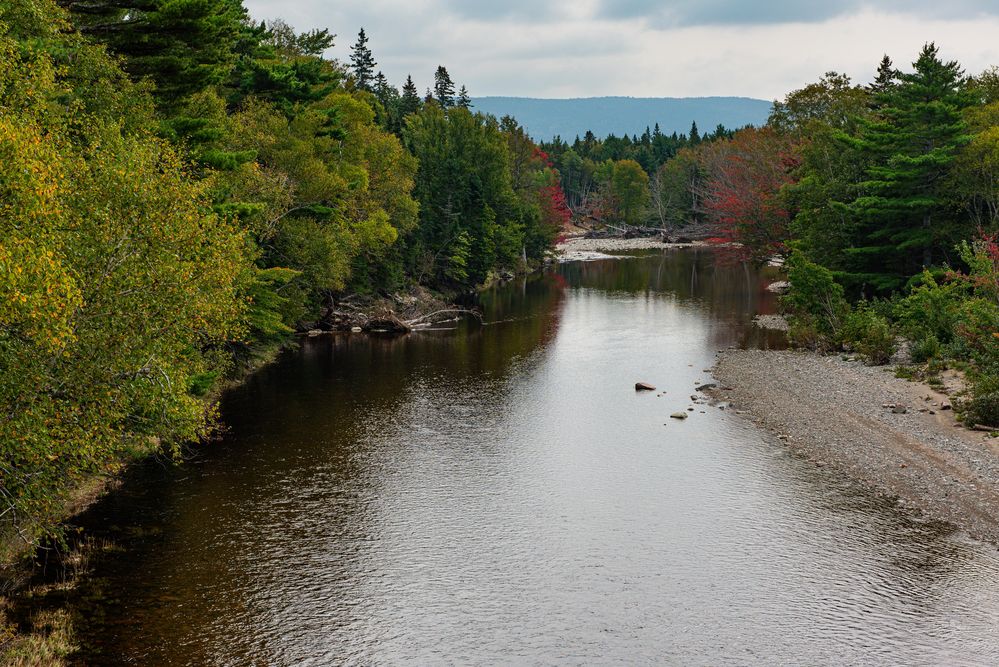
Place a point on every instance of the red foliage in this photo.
(554, 208)
(742, 196)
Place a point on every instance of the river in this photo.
(501, 494)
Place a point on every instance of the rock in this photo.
(316, 332)
(644, 386)
(356, 329)
(899, 410)
(946, 406)
(779, 287)
(707, 387)
(678, 415)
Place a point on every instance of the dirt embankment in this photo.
(896, 436)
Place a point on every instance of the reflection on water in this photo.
(500, 494)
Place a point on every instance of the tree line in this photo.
(884, 199)
(181, 185)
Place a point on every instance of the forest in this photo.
(182, 188)
(882, 198)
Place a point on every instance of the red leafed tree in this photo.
(554, 208)
(742, 192)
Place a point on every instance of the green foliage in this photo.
(118, 285)
(983, 409)
(931, 309)
(869, 333)
(903, 213)
(815, 304)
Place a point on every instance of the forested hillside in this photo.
(546, 119)
(183, 186)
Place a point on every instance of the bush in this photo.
(925, 349)
(870, 334)
(815, 304)
(983, 409)
(931, 309)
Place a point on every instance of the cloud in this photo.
(574, 49)
(740, 12)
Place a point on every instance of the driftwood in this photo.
(427, 320)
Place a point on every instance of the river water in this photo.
(500, 494)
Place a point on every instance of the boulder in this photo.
(678, 415)
(644, 386)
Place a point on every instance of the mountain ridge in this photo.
(545, 118)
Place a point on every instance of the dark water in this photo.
(501, 495)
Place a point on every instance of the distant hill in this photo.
(545, 118)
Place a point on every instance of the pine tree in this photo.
(904, 219)
(183, 46)
(362, 63)
(381, 88)
(410, 98)
(463, 101)
(886, 79)
(443, 88)
(695, 136)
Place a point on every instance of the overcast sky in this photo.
(645, 48)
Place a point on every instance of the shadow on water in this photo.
(500, 494)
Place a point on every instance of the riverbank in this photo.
(582, 249)
(899, 438)
(35, 626)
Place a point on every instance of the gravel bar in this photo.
(850, 416)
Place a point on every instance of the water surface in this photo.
(501, 495)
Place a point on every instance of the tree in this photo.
(183, 46)
(362, 62)
(904, 209)
(469, 217)
(743, 191)
(463, 100)
(695, 136)
(886, 78)
(832, 101)
(443, 88)
(410, 102)
(629, 186)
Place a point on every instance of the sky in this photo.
(646, 48)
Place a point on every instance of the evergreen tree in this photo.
(382, 88)
(904, 218)
(362, 63)
(463, 100)
(443, 88)
(886, 79)
(695, 135)
(410, 98)
(183, 46)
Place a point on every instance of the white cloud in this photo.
(570, 51)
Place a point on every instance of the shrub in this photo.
(814, 304)
(925, 349)
(931, 309)
(983, 409)
(870, 334)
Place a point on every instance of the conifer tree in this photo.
(886, 79)
(362, 63)
(695, 135)
(905, 222)
(443, 88)
(410, 98)
(463, 100)
(183, 46)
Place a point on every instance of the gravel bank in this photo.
(833, 411)
(580, 249)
